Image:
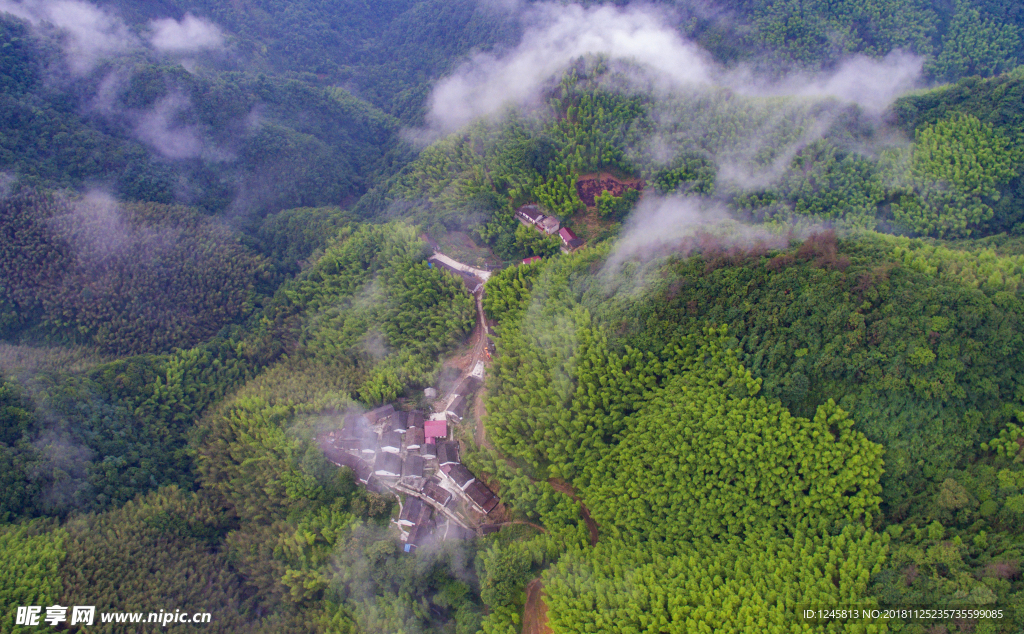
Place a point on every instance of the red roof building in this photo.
(532, 259)
(570, 241)
(435, 429)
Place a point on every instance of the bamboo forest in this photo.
(512, 316)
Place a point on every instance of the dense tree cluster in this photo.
(127, 279)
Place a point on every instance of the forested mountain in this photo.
(779, 369)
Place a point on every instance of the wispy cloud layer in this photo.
(89, 33)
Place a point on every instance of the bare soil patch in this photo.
(590, 186)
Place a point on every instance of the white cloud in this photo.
(89, 32)
(188, 35)
(487, 84)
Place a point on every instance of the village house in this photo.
(570, 241)
(529, 214)
(435, 428)
(354, 445)
(459, 474)
(412, 471)
(391, 442)
(400, 423)
(436, 493)
(414, 511)
(457, 408)
(448, 452)
(482, 498)
(418, 534)
(532, 259)
(429, 449)
(362, 469)
(414, 438)
(549, 225)
(388, 465)
(468, 386)
(368, 442)
(381, 415)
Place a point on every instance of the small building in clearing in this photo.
(549, 225)
(570, 241)
(529, 214)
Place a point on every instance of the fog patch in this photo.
(161, 129)
(680, 225)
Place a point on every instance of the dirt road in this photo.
(535, 614)
(561, 485)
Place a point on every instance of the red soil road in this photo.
(535, 614)
(590, 186)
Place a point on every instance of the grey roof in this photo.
(415, 419)
(368, 441)
(391, 440)
(530, 212)
(428, 450)
(434, 491)
(461, 475)
(399, 422)
(413, 467)
(387, 464)
(353, 424)
(458, 406)
(448, 452)
(381, 413)
(362, 469)
(411, 511)
(353, 444)
(482, 496)
(414, 438)
(468, 386)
